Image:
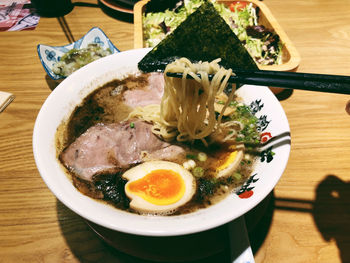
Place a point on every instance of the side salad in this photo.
(262, 44)
(77, 58)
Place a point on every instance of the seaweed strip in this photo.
(203, 36)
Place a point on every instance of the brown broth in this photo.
(104, 106)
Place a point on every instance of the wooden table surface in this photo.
(308, 213)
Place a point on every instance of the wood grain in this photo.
(307, 218)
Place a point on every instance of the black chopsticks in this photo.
(292, 80)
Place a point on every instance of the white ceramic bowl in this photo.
(73, 89)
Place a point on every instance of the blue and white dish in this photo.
(49, 55)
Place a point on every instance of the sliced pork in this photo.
(152, 94)
(109, 148)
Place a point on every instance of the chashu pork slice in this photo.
(151, 94)
(109, 148)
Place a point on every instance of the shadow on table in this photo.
(332, 213)
(51, 83)
(285, 94)
(258, 221)
(87, 246)
(330, 210)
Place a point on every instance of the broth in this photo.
(107, 105)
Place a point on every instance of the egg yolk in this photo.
(227, 160)
(159, 187)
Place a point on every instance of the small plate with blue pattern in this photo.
(49, 55)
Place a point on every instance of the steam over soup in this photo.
(153, 144)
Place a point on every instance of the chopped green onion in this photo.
(202, 157)
(237, 176)
(132, 125)
(198, 171)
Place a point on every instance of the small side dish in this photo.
(77, 58)
(61, 61)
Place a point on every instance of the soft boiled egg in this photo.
(228, 162)
(159, 187)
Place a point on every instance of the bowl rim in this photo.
(58, 77)
(46, 160)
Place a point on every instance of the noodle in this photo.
(186, 112)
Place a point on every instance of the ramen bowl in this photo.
(270, 165)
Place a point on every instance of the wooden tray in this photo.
(290, 59)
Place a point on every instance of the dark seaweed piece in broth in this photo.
(112, 187)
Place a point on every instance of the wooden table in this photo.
(308, 215)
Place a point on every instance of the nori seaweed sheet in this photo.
(203, 36)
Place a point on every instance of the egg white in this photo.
(141, 205)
